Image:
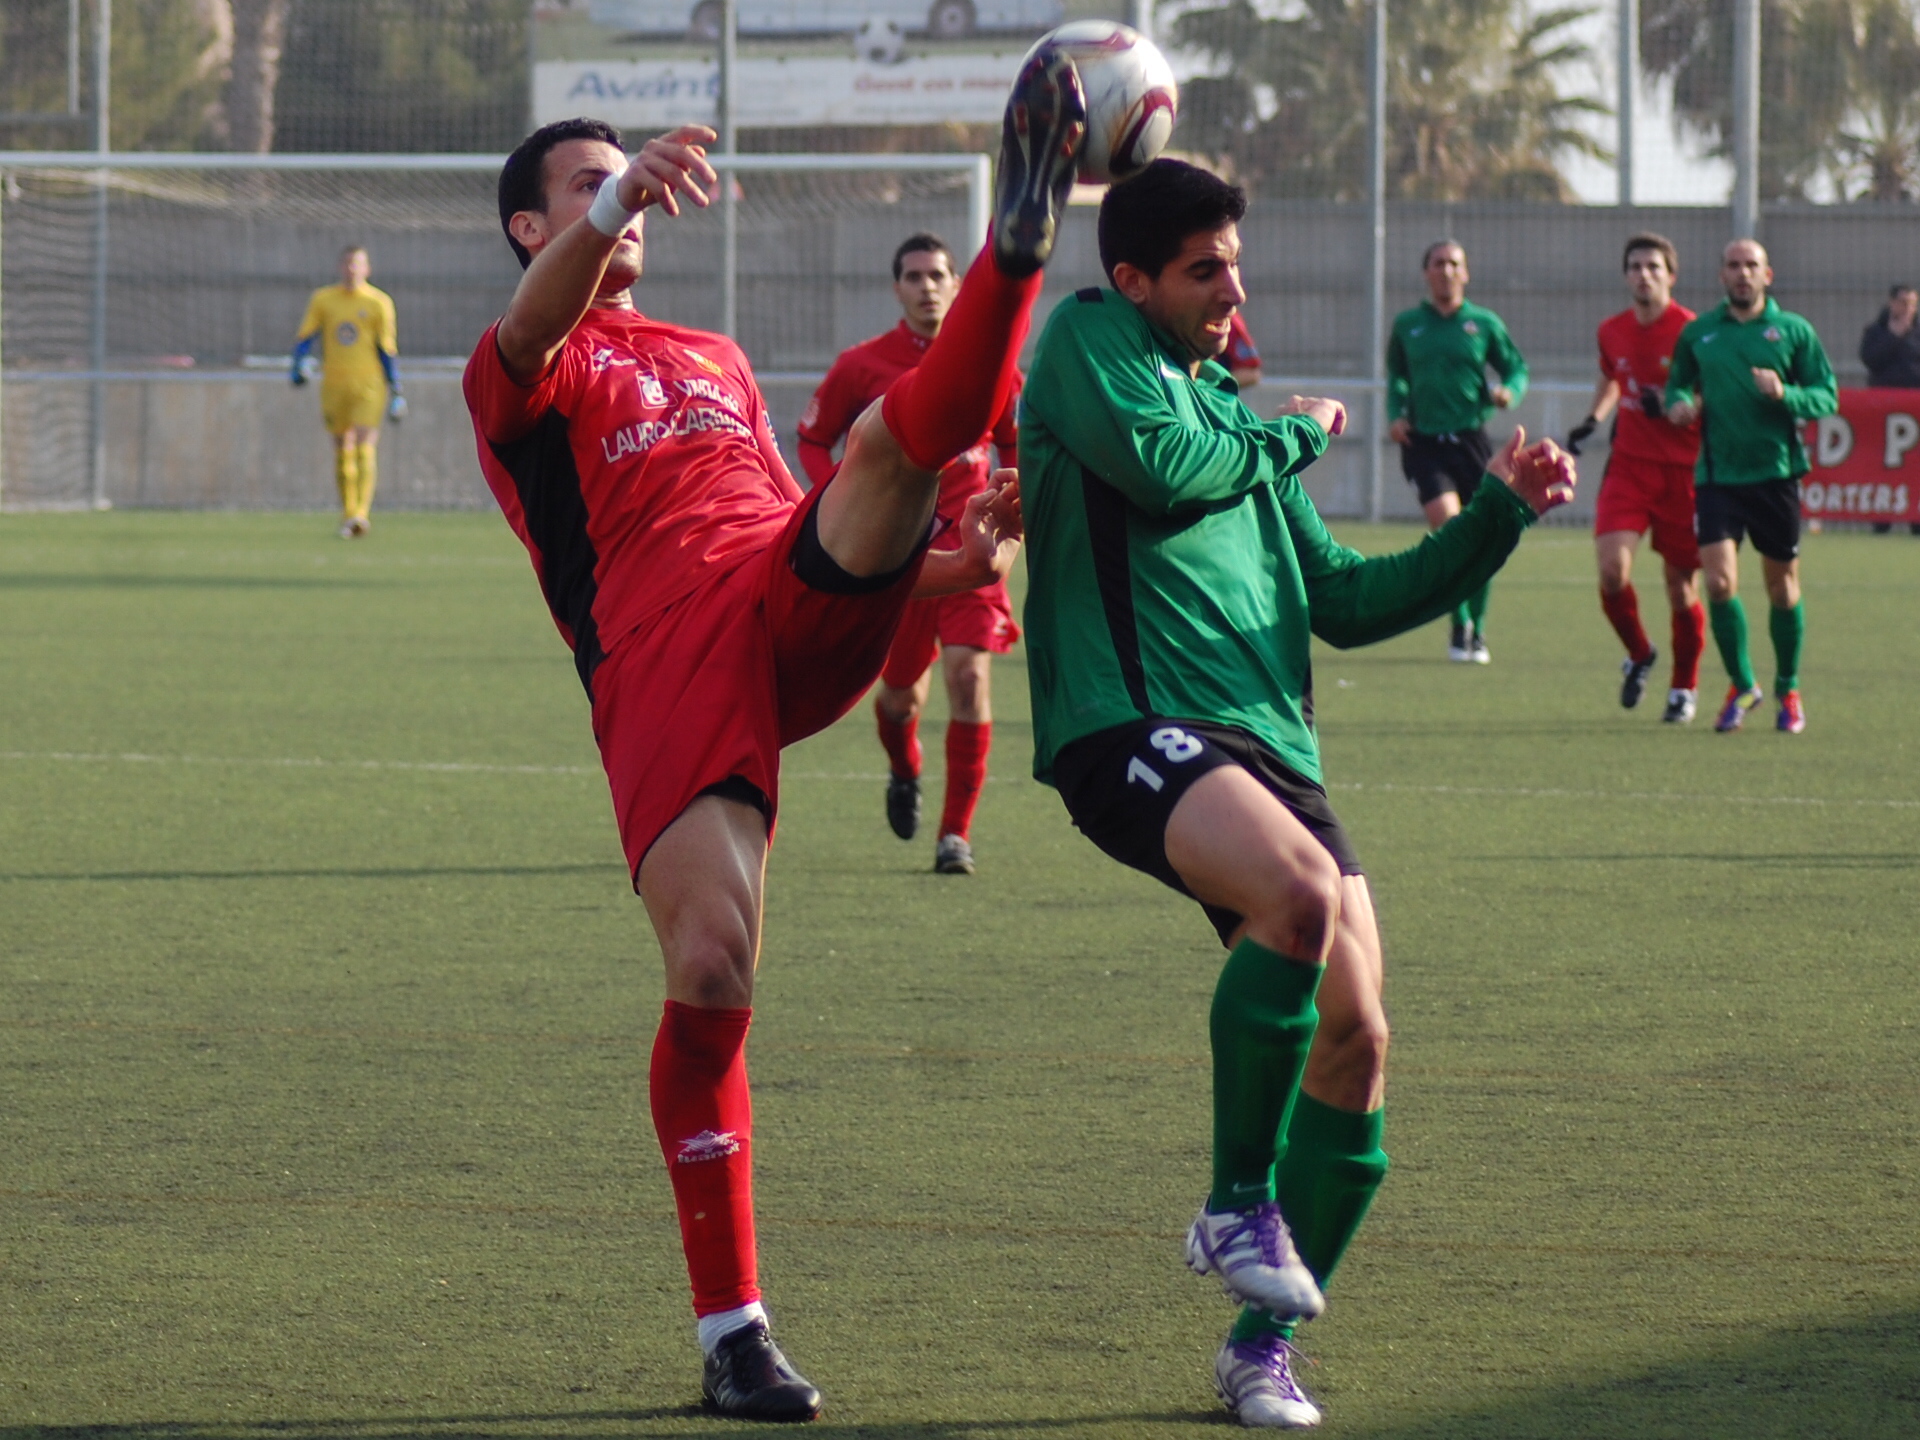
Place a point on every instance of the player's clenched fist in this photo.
(1541, 474)
(676, 161)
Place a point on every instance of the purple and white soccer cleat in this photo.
(1252, 1253)
(1255, 1381)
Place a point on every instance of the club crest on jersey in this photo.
(705, 364)
(1472, 327)
(345, 333)
(708, 1145)
(1771, 334)
(652, 392)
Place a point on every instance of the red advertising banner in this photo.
(1866, 459)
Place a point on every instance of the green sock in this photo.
(1462, 616)
(1329, 1170)
(1262, 1023)
(1729, 619)
(1789, 629)
(1477, 608)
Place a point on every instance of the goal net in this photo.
(147, 308)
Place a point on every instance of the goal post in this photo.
(146, 301)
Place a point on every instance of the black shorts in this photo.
(1435, 464)
(1767, 513)
(1121, 785)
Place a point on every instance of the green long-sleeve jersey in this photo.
(1746, 438)
(1175, 564)
(1437, 367)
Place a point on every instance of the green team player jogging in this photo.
(1753, 373)
(1176, 569)
(1438, 401)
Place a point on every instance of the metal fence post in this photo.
(729, 215)
(1377, 286)
(1629, 66)
(1746, 119)
(102, 143)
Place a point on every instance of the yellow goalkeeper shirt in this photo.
(355, 328)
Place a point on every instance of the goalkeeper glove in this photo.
(1577, 436)
(397, 407)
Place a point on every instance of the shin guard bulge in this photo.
(1729, 619)
(952, 397)
(1622, 609)
(1689, 643)
(703, 1115)
(1262, 1024)
(901, 740)
(1789, 631)
(967, 746)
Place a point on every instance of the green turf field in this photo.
(325, 1011)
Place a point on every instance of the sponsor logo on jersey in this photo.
(345, 333)
(699, 389)
(711, 366)
(607, 356)
(708, 1145)
(652, 392)
(1709, 339)
(643, 435)
(1417, 331)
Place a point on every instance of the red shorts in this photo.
(981, 618)
(713, 686)
(1641, 495)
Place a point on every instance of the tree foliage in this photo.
(1474, 109)
(1840, 88)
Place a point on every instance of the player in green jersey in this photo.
(1753, 373)
(1176, 568)
(1438, 401)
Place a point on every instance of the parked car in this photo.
(942, 19)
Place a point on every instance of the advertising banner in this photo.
(1866, 459)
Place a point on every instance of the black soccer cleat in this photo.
(1041, 138)
(903, 806)
(1633, 679)
(747, 1378)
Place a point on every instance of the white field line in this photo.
(462, 767)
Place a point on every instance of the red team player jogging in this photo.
(1648, 484)
(963, 629)
(713, 612)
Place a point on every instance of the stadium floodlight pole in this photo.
(1377, 281)
(729, 215)
(73, 57)
(1746, 119)
(1629, 67)
(102, 144)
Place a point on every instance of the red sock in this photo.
(704, 1118)
(1689, 641)
(1623, 609)
(956, 392)
(901, 740)
(967, 747)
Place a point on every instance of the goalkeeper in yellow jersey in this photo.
(348, 333)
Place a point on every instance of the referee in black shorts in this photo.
(1439, 398)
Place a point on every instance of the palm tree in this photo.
(1473, 110)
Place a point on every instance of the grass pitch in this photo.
(325, 1009)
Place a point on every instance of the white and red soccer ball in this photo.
(1131, 96)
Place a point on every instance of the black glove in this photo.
(1651, 402)
(1577, 436)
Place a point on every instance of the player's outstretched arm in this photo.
(568, 273)
(990, 534)
(1356, 600)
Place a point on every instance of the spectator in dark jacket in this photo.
(1890, 349)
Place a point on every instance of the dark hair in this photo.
(923, 240)
(1147, 218)
(347, 250)
(1647, 240)
(1426, 255)
(523, 181)
(1897, 291)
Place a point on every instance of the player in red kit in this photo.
(1648, 483)
(715, 613)
(965, 630)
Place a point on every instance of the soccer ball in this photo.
(1131, 96)
(880, 42)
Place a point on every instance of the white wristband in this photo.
(607, 214)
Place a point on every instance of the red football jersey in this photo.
(861, 376)
(1241, 352)
(640, 465)
(1636, 356)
